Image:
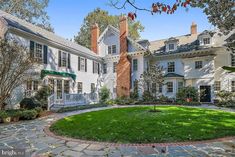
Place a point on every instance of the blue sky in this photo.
(66, 16)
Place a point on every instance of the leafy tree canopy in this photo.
(103, 19)
(32, 11)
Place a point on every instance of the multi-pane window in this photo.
(38, 52)
(217, 86)
(171, 46)
(92, 88)
(112, 49)
(79, 87)
(206, 41)
(180, 85)
(171, 67)
(82, 64)
(32, 85)
(63, 59)
(66, 86)
(160, 88)
(95, 67)
(233, 86)
(198, 64)
(135, 64)
(59, 89)
(51, 84)
(233, 60)
(114, 67)
(154, 87)
(169, 87)
(105, 68)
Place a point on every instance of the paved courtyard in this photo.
(30, 135)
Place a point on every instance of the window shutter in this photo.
(98, 68)
(45, 52)
(31, 49)
(78, 63)
(69, 61)
(59, 59)
(93, 69)
(85, 65)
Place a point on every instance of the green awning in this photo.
(230, 69)
(63, 74)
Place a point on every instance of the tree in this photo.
(32, 11)
(152, 76)
(14, 65)
(103, 19)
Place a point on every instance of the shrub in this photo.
(125, 101)
(3, 114)
(39, 110)
(43, 93)
(104, 94)
(185, 93)
(226, 99)
(147, 97)
(29, 114)
(29, 103)
(110, 102)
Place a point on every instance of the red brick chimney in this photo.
(95, 33)
(124, 65)
(193, 28)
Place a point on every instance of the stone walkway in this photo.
(29, 135)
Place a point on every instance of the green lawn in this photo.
(138, 125)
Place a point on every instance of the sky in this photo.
(66, 16)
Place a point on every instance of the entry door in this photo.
(205, 93)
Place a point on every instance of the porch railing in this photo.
(72, 99)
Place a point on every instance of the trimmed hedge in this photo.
(83, 107)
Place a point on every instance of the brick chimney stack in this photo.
(193, 28)
(95, 33)
(124, 65)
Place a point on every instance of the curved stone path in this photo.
(30, 135)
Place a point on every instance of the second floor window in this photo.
(38, 52)
(79, 88)
(206, 41)
(105, 68)
(82, 64)
(96, 67)
(198, 64)
(169, 87)
(171, 67)
(114, 67)
(233, 60)
(64, 59)
(112, 49)
(171, 46)
(135, 64)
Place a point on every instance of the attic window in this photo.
(171, 46)
(206, 41)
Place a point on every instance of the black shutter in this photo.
(85, 65)
(31, 49)
(69, 61)
(78, 63)
(98, 68)
(59, 59)
(45, 52)
(93, 69)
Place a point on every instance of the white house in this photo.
(116, 60)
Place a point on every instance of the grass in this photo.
(138, 125)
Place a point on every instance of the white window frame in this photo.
(206, 41)
(112, 49)
(96, 67)
(180, 86)
(79, 87)
(170, 48)
(217, 86)
(233, 60)
(38, 52)
(198, 64)
(135, 64)
(82, 64)
(170, 87)
(171, 69)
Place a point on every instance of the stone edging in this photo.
(49, 133)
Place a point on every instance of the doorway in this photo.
(205, 93)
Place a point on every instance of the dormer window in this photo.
(171, 47)
(112, 49)
(206, 41)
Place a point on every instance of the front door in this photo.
(205, 93)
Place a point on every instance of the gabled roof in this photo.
(19, 24)
(116, 31)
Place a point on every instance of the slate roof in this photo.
(22, 25)
(173, 75)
